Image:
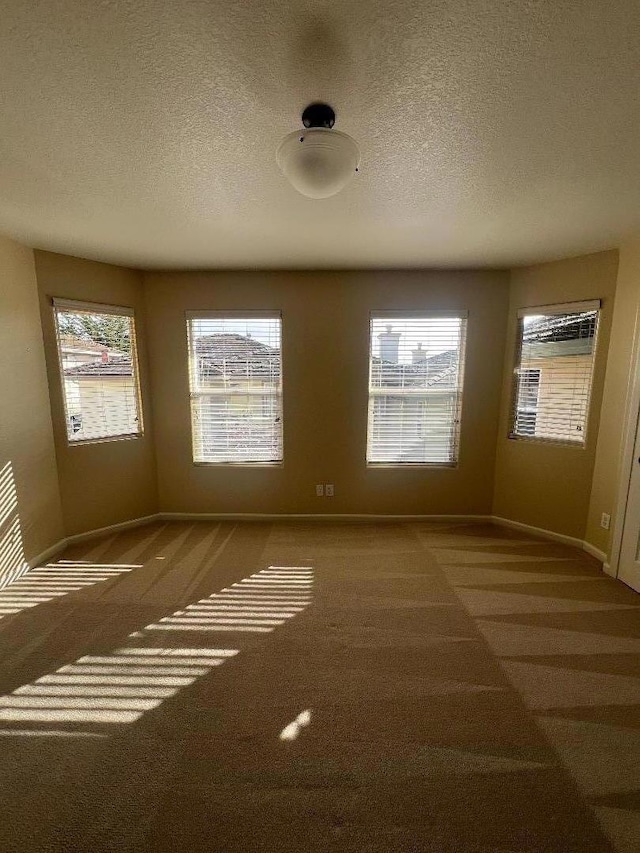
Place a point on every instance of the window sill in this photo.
(551, 442)
(419, 465)
(83, 442)
(238, 464)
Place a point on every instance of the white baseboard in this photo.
(595, 552)
(538, 531)
(553, 536)
(312, 516)
(111, 528)
(257, 516)
(47, 555)
(59, 546)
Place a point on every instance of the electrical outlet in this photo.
(328, 490)
(605, 520)
(319, 490)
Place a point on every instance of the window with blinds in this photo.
(554, 371)
(235, 372)
(99, 371)
(415, 388)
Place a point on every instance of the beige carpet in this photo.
(320, 687)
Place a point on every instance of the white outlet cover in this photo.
(319, 490)
(328, 490)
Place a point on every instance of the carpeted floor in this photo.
(320, 687)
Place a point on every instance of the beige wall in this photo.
(620, 366)
(105, 482)
(325, 352)
(27, 454)
(325, 345)
(542, 484)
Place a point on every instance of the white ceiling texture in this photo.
(493, 132)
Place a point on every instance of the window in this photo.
(99, 368)
(553, 373)
(415, 388)
(235, 373)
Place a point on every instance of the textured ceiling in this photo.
(493, 132)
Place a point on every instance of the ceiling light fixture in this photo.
(318, 161)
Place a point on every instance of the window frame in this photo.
(547, 311)
(233, 314)
(75, 306)
(413, 314)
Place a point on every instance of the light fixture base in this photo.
(319, 115)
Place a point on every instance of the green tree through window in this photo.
(110, 330)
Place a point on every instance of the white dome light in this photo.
(318, 161)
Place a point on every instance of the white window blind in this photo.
(235, 371)
(553, 372)
(415, 388)
(99, 370)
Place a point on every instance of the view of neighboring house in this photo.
(413, 413)
(231, 360)
(554, 377)
(238, 401)
(75, 350)
(101, 392)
